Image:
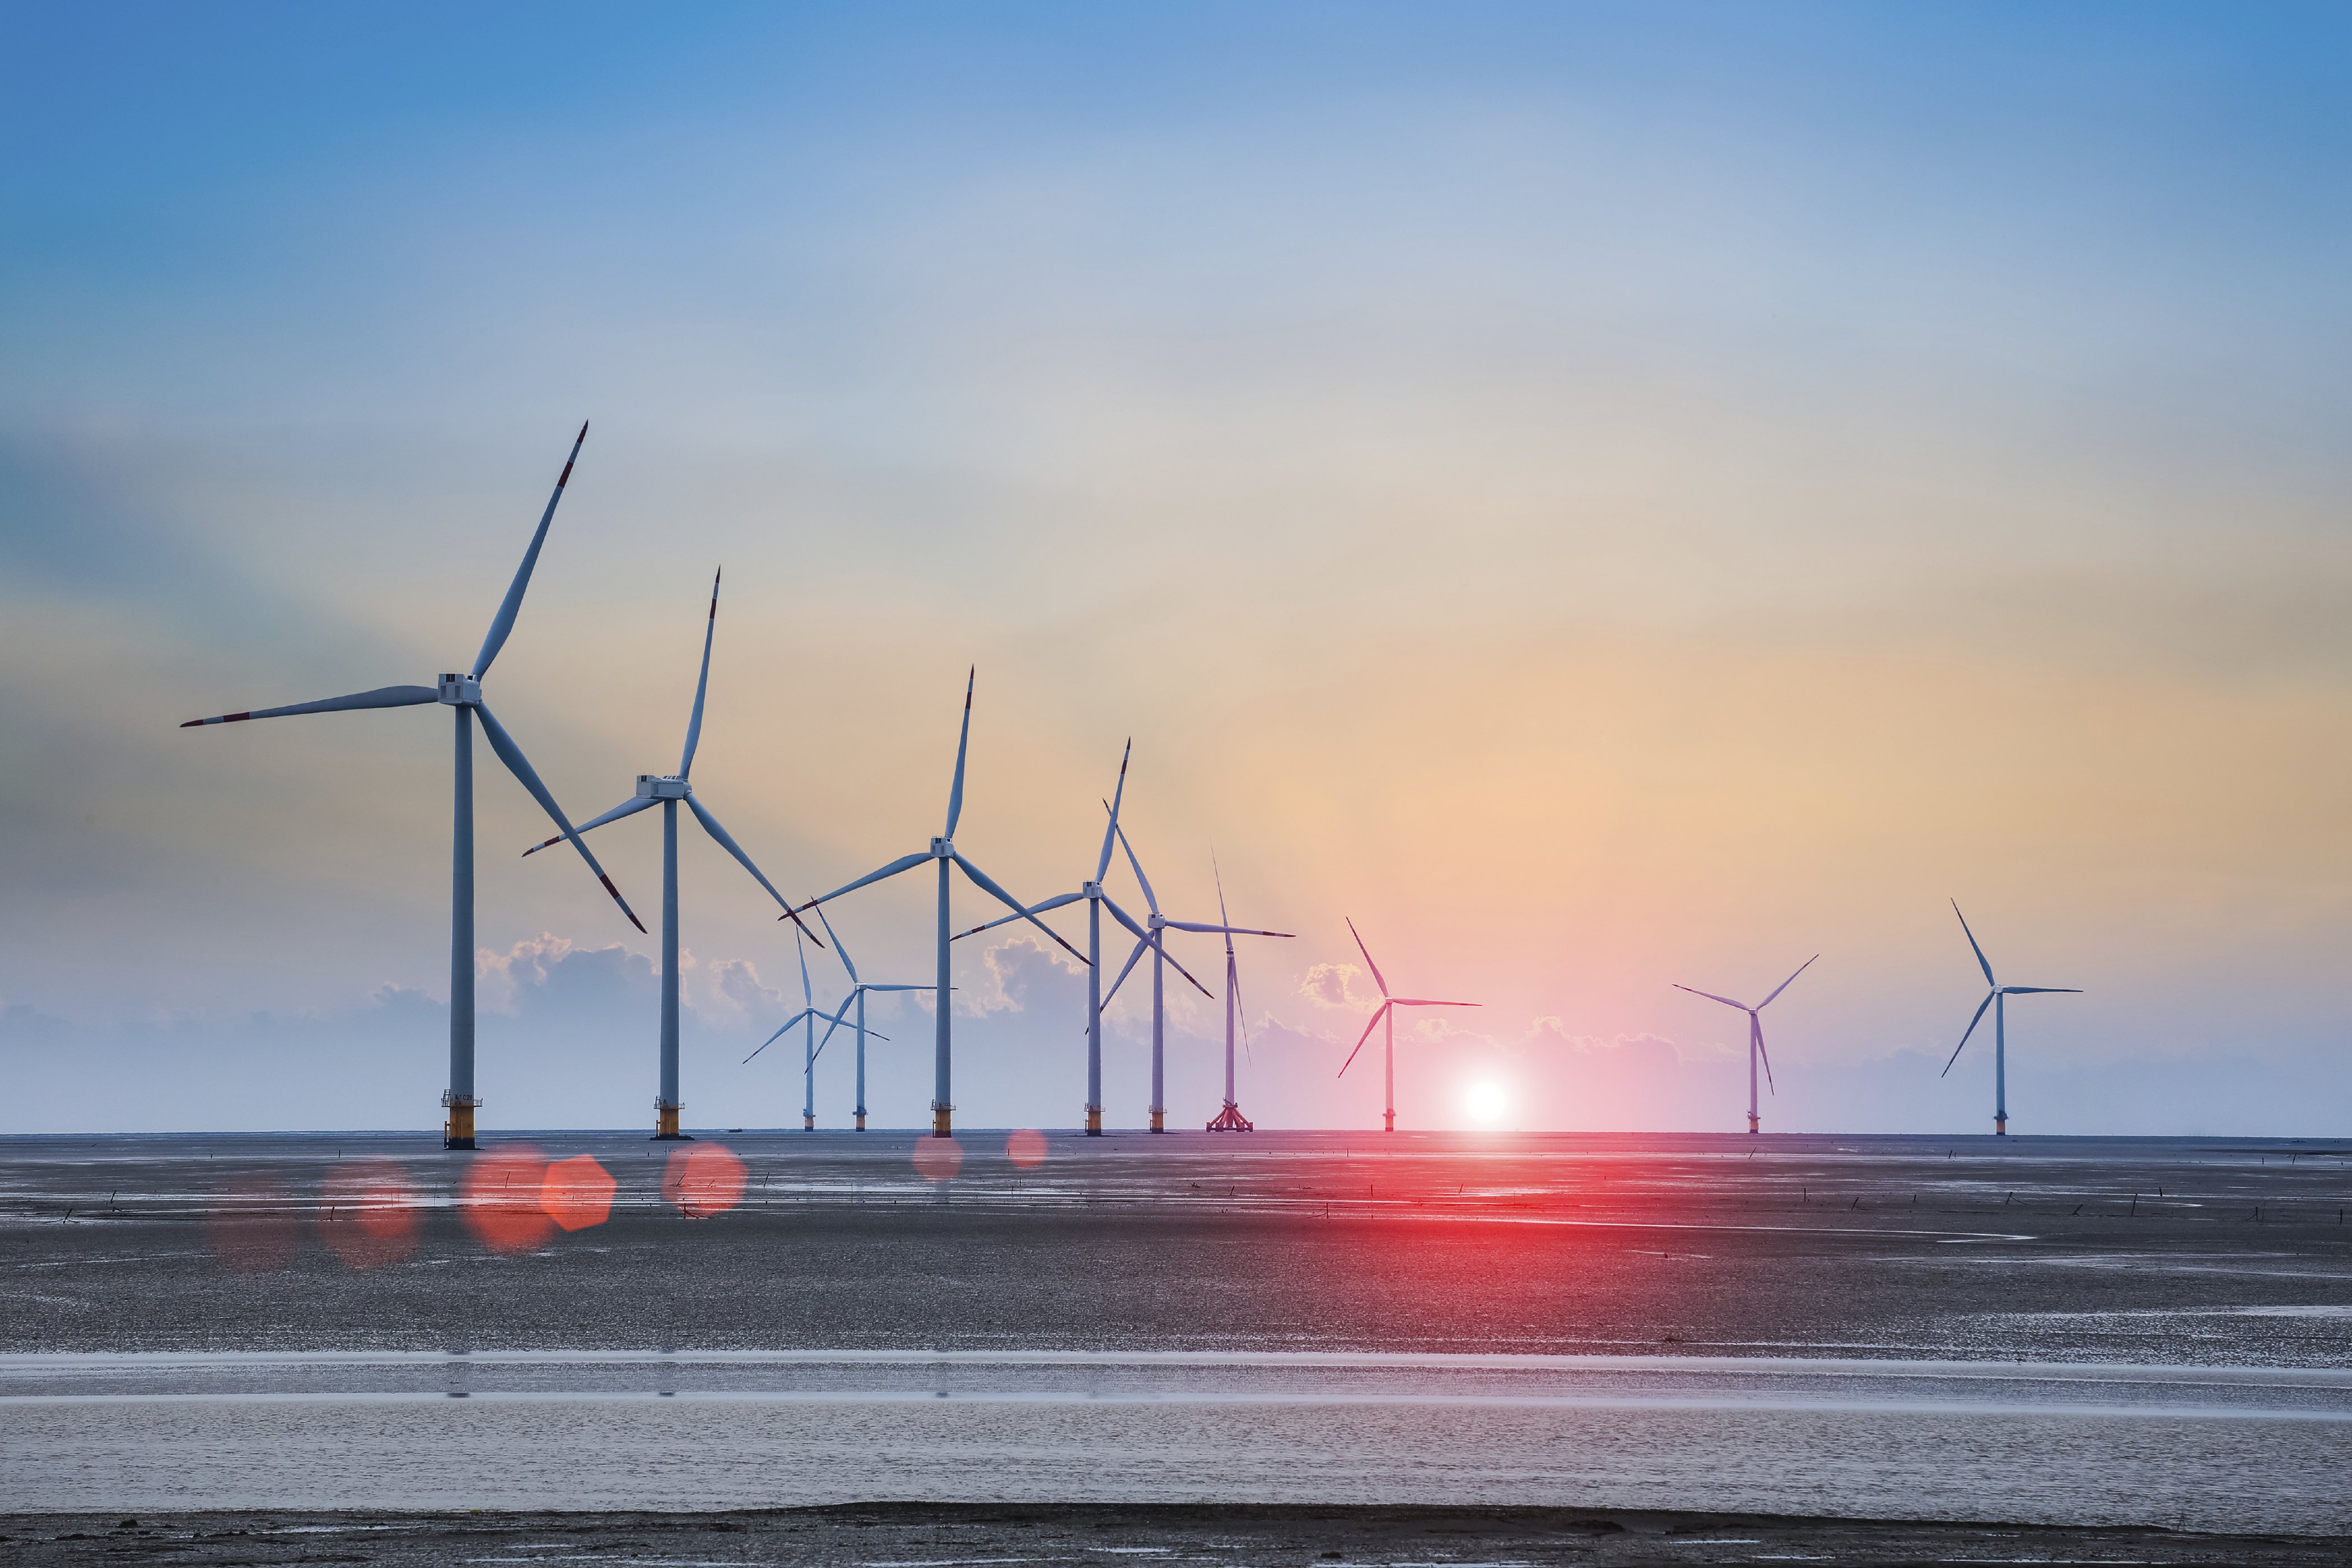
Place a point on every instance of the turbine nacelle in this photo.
(460, 691)
(943, 849)
(661, 786)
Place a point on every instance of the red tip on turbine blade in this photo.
(557, 839)
(193, 724)
(583, 433)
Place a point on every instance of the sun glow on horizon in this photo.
(1485, 1101)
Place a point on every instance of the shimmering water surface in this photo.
(2041, 1330)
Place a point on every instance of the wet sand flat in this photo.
(2065, 1334)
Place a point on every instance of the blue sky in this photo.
(1605, 495)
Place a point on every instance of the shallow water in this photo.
(2057, 1331)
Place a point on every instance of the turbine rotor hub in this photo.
(460, 691)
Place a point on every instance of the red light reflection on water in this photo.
(938, 1159)
(703, 1179)
(500, 1198)
(577, 1193)
(1026, 1148)
(367, 1212)
(251, 1226)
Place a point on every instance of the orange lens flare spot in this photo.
(938, 1159)
(367, 1212)
(251, 1229)
(499, 1198)
(1026, 1148)
(704, 1179)
(577, 1193)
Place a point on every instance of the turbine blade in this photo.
(807, 995)
(1229, 931)
(502, 624)
(1377, 1014)
(1141, 880)
(1054, 902)
(1141, 949)
(903, 863)
(2043, 990)
(701, 684)
(1791, 980)
(1710, 995)
(725, 841)
(1969, 1030)
(1981, 961)
(1134, 927)
(381, 697)
(838, 1013)
(1756, 1033)
(520, 765)
(1368, 958)
(899, 988)
(1241, 1009)
(629, 807)
(787, 1024)
(1425, 1002)
(1102, 866)
(1184, 971)
(963, 744)
(980, 879)
(839, 952)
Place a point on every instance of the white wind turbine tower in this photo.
(462, 693)
(1387, 1009)
(1997, 1000)
(1096, 902)
(666, 790)
(1755, 1034)
(1230, 1119)
(943, 851)
(1156, 939)
(807, 1016)
(857, 990)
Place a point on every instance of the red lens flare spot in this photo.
(938, 1159)
(367, 1212)
(577, 1193)
(499, 1198)
(251, 1226)
(703, 1179)
(1026, 1148)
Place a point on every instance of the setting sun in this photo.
(1485, 1101)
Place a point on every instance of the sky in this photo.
(1604, 496)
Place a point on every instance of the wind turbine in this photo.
(944, 852)
(1156, 938)
(1997, 1000)
(1096, 902)
(666, 790)
(808, 1015)
(1387, 1009)
(462, 693)
(1230, 1119)
(1755, 1033)
(857, 990)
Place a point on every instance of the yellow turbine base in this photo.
(941, 1118)
(666, 1121)
(1159, 1122)
(1094, 1120)
(861, 1121)
(457, 1132)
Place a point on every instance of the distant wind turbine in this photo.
(1755, 1033)
(1387, 1009)
(1997, 1000)
(1156, 939)
(943, 851)
(1097, 900)
(807, 1016)
(1230, 1119)
(857, 990)
(463, 694)
(666, 790)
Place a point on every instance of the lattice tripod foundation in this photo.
(1231, 1120)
